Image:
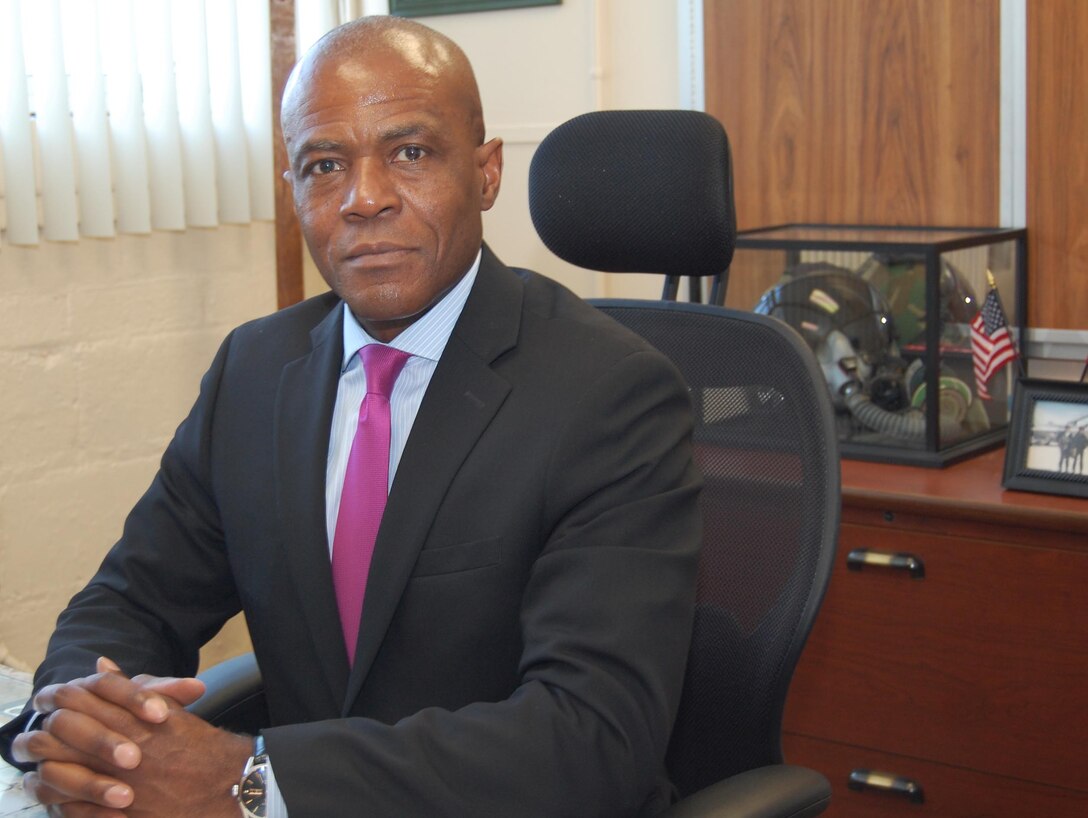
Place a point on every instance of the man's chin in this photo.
(384, 321)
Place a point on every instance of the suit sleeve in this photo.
(606, 621)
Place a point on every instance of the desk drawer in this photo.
(981, 664)
(947, 792)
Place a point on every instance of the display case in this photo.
(918, 330)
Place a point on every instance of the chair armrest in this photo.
(775, 791)
(234, 698)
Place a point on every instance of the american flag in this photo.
(991, 344)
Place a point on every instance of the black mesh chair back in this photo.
(770, 518)
(764, 437)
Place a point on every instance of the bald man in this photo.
(522, 637)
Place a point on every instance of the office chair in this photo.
(650, 191)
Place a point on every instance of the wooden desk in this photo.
(971, 680)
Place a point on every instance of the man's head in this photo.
(390, 172)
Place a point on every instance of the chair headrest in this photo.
(636, 191)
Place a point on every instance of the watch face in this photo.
(252, 793)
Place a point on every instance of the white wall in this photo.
(538, 67)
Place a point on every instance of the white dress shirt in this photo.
(425, 341)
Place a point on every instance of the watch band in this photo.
(251, 790)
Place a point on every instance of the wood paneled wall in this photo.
(1057, 167)
(887, 111)
(858, 110)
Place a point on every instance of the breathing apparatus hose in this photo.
(905, 424)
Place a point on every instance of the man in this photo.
(526, 616)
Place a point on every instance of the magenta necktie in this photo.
(366, 486)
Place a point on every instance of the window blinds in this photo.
(133, 115)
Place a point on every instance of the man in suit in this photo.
(528, 606)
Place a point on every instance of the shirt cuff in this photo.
(277, 807)
(23, 723)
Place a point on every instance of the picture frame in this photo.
(1047, 446)
(423, 8)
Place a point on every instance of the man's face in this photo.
(389, 182)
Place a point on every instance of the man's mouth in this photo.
(376, 251)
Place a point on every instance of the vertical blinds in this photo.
(133, 115)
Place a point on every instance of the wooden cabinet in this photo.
(960, 670)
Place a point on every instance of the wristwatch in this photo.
(251, 790)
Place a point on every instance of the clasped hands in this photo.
(109, 746)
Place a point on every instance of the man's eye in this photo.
(411, 153)
(323, 166)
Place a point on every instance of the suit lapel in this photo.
(304, 406)
(462, 398)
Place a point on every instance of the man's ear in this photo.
(489, 161)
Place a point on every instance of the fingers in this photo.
(57, 783)
(144, 696)
(90, 722)
(82, 810)
(75, 739)
(109, 687)
(183, 691)
(89, 737)
(110, 709)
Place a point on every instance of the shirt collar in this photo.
(425, 338)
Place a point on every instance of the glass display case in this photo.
(917, 330)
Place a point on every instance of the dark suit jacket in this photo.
(530, 601)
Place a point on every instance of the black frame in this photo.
(423, 8)
(1026, 432)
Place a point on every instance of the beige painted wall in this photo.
(102, 343)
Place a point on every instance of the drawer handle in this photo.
(861, 779)
(860, 557)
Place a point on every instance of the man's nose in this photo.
(371, 190)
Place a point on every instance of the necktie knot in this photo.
(382, 364)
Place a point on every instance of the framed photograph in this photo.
(1048, 438)
(422, 8)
